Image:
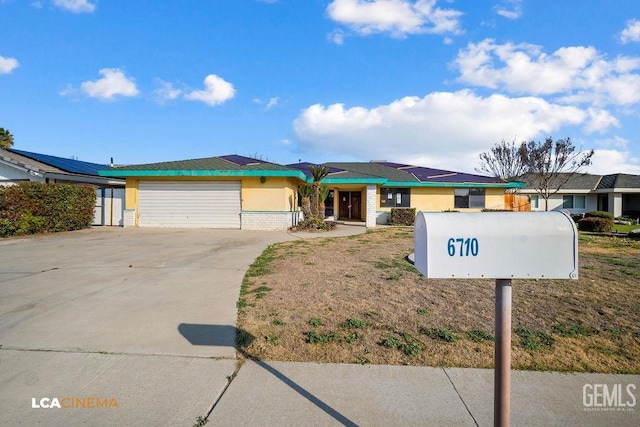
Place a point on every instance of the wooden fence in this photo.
(517, 202)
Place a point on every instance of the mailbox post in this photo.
(501, 246)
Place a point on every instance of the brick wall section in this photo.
(268, 220)
(371, 206)
(129, 217)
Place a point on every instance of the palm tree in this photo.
(319, 172)
(324, 192)
(6, 139)
(305, 196)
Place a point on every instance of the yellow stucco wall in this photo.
(437, 199)
(275, 194)
(494, 198)
(131, 193)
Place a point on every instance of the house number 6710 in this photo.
(462, 246)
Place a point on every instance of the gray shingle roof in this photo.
(221, 163)
(580, 181)
(619, 180)
(374, 170)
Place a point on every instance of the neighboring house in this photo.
(615, 193)
(240, 192)
(23, 166)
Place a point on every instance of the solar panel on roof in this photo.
(440, 175)
(67, 165)
(241, 160)
(426, 174)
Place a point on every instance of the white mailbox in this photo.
(496, 245)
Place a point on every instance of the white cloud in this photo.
(75, 6)
(397, 17)
(337, 36)
(7, 65)
(113, 83)
(614, 161)
(600, 121)
(510, 9)
(165, 92)
(443, 129)
(272, 102)
(632, 32)
(577, 74)
(216, 91)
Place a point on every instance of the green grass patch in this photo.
(315, 322)
(315, 338)
(439, 334)
(621, 228)
(412, 348)
(352, 338)
(572, 330)
(534, 340)
(479, 336)
(260, 266)
(422, 311)
(390, 342)
(355, 323)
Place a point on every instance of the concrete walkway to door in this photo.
(143, 316)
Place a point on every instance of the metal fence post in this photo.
(502, 371)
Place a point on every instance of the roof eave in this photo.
(202, 173)
(512, 184)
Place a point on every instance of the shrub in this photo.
(314, 224)
(577, 217)
(599, 214)
(402, 216)
(34, 207)
(596, 224)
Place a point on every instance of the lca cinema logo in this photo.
(74, 403)
(609, 397)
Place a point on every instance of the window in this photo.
(574, 202)
(395, 198)
(328, 204)
(535, 202)
(469, 198)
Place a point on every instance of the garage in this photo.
(189, 204)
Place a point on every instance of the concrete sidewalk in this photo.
(294, 394)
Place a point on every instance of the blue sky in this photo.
(425, 82)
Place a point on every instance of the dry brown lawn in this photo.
(357, 300)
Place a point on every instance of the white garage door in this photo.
(196, 204)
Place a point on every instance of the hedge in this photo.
(33, 207)
(599, 214)
(403, 216)
(596, 224)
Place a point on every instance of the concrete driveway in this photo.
(139, 318)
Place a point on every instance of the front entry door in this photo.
(350, 205)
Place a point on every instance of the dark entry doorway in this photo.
(349, 206)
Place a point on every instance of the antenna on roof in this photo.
(112, 162)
